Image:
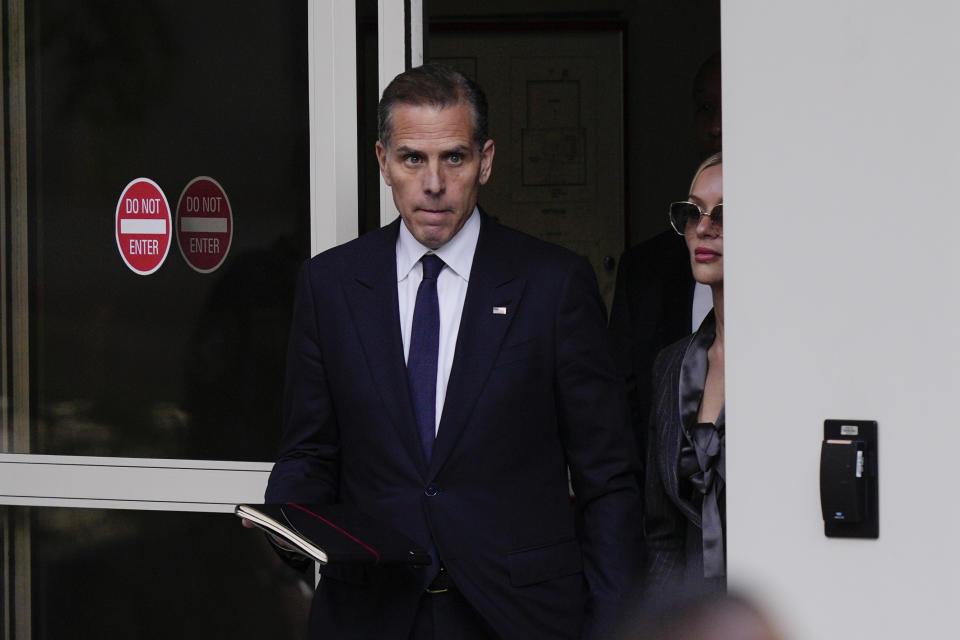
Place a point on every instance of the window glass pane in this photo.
(108, 573)
(178, 363)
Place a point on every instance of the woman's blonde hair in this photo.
(712, 161)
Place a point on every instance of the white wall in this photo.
(841, 176)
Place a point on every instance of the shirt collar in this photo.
(457, 253)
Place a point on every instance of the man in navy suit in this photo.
(444, 372)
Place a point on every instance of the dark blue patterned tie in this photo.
(424, 347)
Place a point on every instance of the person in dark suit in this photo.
(685, 475)
(651, 309)
(443, 374)
(656, 301)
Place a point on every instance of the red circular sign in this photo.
(204, 224)
(143, 226)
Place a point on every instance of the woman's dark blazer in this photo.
(675, 560)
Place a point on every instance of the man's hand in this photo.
(283, 544)
(279, 542)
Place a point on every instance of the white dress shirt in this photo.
(457, 255)
(702, 303)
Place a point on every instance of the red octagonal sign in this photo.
(143, 226)
(204, 224)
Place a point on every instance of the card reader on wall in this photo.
(848, 479)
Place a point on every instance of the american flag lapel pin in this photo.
(499, 311)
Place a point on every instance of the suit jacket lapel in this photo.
(371, 292)
(672, 438)
(494, 282)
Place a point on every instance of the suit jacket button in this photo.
(432, 490)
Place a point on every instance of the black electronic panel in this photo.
(848, 479)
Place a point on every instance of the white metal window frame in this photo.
(207, 485)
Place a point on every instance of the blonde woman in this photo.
(685, 507)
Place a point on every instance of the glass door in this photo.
(163, 343)
(168, 165)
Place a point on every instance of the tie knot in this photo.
(431, 266)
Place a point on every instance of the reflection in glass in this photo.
(177, 363)
(149, 574)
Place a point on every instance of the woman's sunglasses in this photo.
(687, 215)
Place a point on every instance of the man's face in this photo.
(434, 169)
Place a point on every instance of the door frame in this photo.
(183, 484)
(148, 483)
(212, 486)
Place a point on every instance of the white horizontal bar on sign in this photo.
(145, 227)
(203, 225)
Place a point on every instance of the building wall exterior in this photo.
(841, 165)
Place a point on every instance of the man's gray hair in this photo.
(437, 86)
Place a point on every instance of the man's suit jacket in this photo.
(651, 309)
(531, 391)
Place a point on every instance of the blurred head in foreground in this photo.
(718, 616)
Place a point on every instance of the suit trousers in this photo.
(448, 615)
